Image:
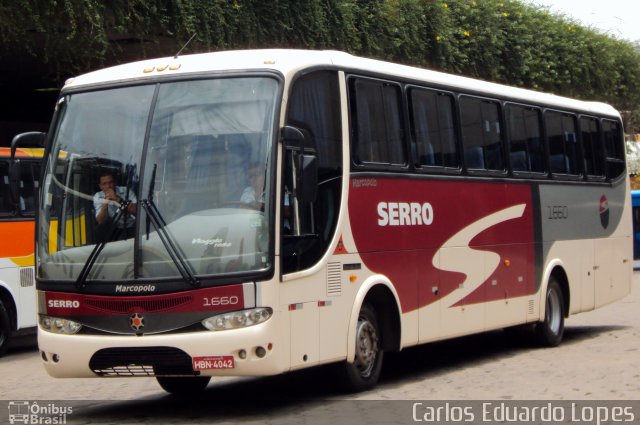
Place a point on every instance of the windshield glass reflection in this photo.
(192, 201)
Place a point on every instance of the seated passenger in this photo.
(253, 195)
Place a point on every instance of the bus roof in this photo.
(288, 61)
(22, 152)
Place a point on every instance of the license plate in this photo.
(213, 362)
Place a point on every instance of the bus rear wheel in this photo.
(364, 372)
(187, 385)
(5, 329)
(549, 332)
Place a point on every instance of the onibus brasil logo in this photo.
(27, 412)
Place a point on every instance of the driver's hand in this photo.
(111, 195)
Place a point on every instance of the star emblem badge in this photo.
(136, 321)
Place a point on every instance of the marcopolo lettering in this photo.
(405, 214)
(135, 288)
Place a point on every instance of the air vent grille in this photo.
(334, 279)
(26, 277)
(142, 361)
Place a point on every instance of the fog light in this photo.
(261, 352)
(242, 354)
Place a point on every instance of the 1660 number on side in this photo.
(558, 212)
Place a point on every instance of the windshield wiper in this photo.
(84, 273)
(81, 281)
(154, 216)
(166, 239)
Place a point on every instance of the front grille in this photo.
(125, 306)
(142, 361)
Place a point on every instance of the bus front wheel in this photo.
(364, 372)
(183, 385)
(549, 332)
(5, 329)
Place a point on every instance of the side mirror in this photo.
(292, 137)
(33, 139)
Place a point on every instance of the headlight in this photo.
(238, 319)
(59, 326)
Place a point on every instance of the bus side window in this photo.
(481, 134)
(592, 146)
(614, 148)
(378, 138)
(433, 128)
(526, 150)
(30, 173)
(561, 134)
(5, 207)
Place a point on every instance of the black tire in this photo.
(364, 372)
(183, 385)
(5, 329)
(549, 332)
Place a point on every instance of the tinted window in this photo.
(614, 148)
(561, 133)
(593, 153)
(29, 185)
(481, 134)
(378, 123)
(525, 139)
(433, 128)
(5, 205)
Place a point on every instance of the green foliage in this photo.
(498, 40)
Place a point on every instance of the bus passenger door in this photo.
(310, 204)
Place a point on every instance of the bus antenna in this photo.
(185, 45)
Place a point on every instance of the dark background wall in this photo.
(43, 42)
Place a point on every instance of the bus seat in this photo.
(474, 157)
(558, 163)
(427, 156)
(519, 161)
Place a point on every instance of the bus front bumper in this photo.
(255, 350)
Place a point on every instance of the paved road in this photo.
(598, 360)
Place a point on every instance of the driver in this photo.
(107, 211)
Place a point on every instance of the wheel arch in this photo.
(8, 299)
(555, 269)
(380, 293)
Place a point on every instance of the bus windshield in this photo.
(175, 176)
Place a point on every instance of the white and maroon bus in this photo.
(281, 209)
